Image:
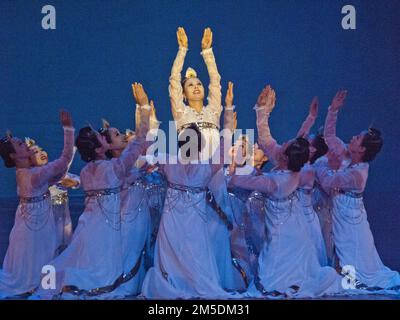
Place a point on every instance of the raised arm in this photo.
(335, 145)
(229, 113)
(310, 120)
(55, 170)
(175, 85)
(265, 105)
(214, 88)
(138, 145)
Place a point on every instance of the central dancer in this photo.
(191, 90)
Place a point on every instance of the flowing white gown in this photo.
(185, 264)
(93, 261)
(288, 264)
(353, 239)
(33, 240)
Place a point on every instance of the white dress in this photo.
(354, 242)
(184, 263)
(208, 119)
(33, 240)
(93, 261)
(228, 235)
(288, 264)
(135, 226)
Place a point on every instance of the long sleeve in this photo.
(214, 88)
(335, 145)
(262, 183)
(229, 118)
(306, 126)
(349, 179)
(55, 170)
(135, 148)
(265, 140)
(153, 124)
(175, 85)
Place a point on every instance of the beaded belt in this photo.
(357, 195)
(289, 197)
(186, 188)
(102, 192)
(34, 199)
(200, 125)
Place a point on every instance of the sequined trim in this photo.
(200, 125)
(102, 192)
(186, 188)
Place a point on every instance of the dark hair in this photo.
(320, 146)
(298, 153)
(6, 149)
(87, 142)
(106, 133)
(185, 132)
(372, 142)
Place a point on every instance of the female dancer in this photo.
(135, 215)
(354, 242)
(185, 260)
(288, 263)
(191, 90)
(274, 151)
(82, 270)
(59, 196)
(33, 237)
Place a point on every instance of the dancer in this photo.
(223, 228)
(84, 272)
(58, 194)
(274, 151)
(191, 90)
(135, 215)
(288, 263)
(185, 263)
(33, 240)
(354, 242)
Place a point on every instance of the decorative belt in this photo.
(60, 199)
(34, 199)
(102, 192)
(289, 197)
(186, 188)
(200, 125)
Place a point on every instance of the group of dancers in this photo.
(191, 227)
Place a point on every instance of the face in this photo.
(259, 157)
(355, 145)
(118, 140)
(193, 89)
(39, 156)
(21, 149)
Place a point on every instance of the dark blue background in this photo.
(100, 47)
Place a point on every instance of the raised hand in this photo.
(338, 100)
(314, 107)
(182, 38)
(66, 119)
(152, 109)
(206, 42)
(229, 95)
(139, 94)
(267, 98)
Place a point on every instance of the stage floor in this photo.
(7, 212)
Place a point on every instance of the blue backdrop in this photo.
(100, 47)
